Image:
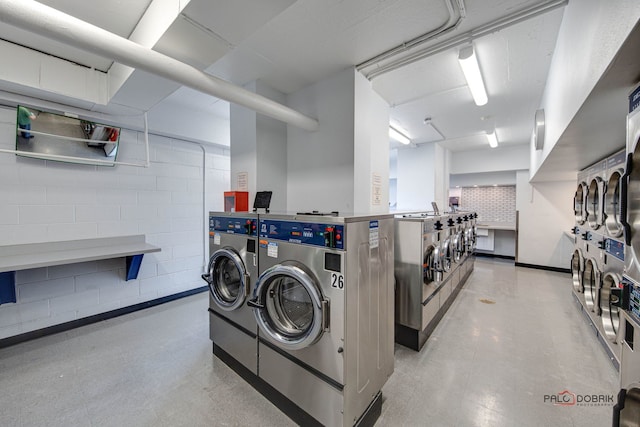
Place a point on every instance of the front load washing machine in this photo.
(615, 171)
(418, 277)
(595, 194)
(233, 266)
(609, 298)
(580, 198)
(324, 307)
(631, 189)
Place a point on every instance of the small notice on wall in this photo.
(243, 181)
(376, 190)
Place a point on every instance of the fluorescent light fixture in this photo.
(471, 69)
(493, 139)
(398, 136)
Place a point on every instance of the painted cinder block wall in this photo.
(49, 201)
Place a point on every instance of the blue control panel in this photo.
(614, 248)
(634, 297)
(233, 225)
(315, 234)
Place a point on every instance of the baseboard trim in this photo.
(543, 267)
(488, 255)
(63, 327)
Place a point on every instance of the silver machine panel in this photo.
(233, 267)
(433, 258)
(324, 307)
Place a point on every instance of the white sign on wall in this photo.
(376, 189)
(243, 181)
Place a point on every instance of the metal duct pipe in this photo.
(46, 21)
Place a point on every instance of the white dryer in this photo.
(596, 175)
(580, 198)
(324, 307)
(609, 297)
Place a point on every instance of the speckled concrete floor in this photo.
(485, 365)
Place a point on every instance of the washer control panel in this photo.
(314, 234)
(614, 248)
(631, 297)
(233, 225)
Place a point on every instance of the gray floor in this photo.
(487, 364)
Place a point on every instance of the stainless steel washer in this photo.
(418, 275)
(324, 308)
(233, 267)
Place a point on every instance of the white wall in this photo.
(591, 33)
(416, 178)
(320, 164)
(49, 201)
(494, 160)
(259, 148)
(441, 169)
(544, 215)
(371, 148)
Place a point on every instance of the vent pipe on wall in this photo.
(48, 22)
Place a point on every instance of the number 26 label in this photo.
(337, 280)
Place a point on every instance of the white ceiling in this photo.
(290, 44)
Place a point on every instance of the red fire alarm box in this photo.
(236, 201)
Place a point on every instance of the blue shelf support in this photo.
(7, 287)
(133, 266)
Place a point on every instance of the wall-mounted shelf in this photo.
(35, 255)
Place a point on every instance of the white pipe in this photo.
(48, 22)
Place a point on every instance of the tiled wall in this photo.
(491, 203)
(48, 201)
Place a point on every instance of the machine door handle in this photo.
(206, 278)
(254, 304)
(325, 315)
(624, 192)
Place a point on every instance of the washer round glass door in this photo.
(577, 267)
(594, 201)
(609, 305)
(590, 283)
(228, 279)
(430, 264)
(289, 307)
(579, 202)
(445, 255)
(612, 205)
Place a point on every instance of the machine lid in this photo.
(612, 205)
(590, 283)
(289, 307)
(228, 279)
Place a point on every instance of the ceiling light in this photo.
(471, 69)
(493, 139)
(398, 136)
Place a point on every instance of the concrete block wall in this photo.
(48, 201)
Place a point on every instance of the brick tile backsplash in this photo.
(491, 203)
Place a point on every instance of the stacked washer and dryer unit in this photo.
(627, 409)
(597, 263)
(318, 337)
(433, 259)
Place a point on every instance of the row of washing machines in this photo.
(597, 264)
(606, 260)
(434, 256)
(301, 307)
